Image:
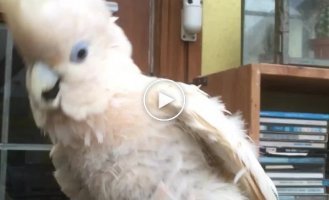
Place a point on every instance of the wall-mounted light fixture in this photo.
(191, 20)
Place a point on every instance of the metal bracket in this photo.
(203, 81)
(186, 36)
(191, 20)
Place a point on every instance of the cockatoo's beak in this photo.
(44, 85)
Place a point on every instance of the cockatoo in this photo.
(86, 93)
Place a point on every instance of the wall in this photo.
(221, 42)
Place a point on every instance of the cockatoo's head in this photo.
(72, 48)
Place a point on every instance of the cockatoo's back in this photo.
(86, 93)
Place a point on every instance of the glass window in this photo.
(22, 128)
(258, 31)
(308, 38)
(26, 171)
(30, 177)
(3, 44)
(302, 35)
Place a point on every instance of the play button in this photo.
(164, 100)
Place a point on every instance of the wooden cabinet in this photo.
(254, 87)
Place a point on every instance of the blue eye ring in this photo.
(79, 52)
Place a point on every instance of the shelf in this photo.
(294, 79)
(254, 87)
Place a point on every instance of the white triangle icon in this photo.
(164, 100)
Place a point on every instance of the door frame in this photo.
(174, 58)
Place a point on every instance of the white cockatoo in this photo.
(87, 94)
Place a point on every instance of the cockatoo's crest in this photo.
(40, 27)
(50, 33)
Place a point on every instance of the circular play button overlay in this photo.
(164, 100)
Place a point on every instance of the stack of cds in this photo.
(293, 149)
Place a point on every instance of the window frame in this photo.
(5, 145)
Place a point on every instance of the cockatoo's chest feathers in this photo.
(82, 101)
(124, 154)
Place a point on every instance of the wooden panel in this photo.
(294, 79)
(239, 89)
(174, 58)
(255, 102)
(134, 18)
(194, 59)
(247, 98)
(161, 8)
(170, 56)
(294, 71)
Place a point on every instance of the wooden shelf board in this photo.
(254, 87)
(295, 85)
(294, 79)
(293, 71)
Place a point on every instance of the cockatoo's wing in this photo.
(223, 141)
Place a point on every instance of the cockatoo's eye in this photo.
(79, 52)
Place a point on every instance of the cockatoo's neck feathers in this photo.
(114, 19)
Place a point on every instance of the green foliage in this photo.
(322, 25)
